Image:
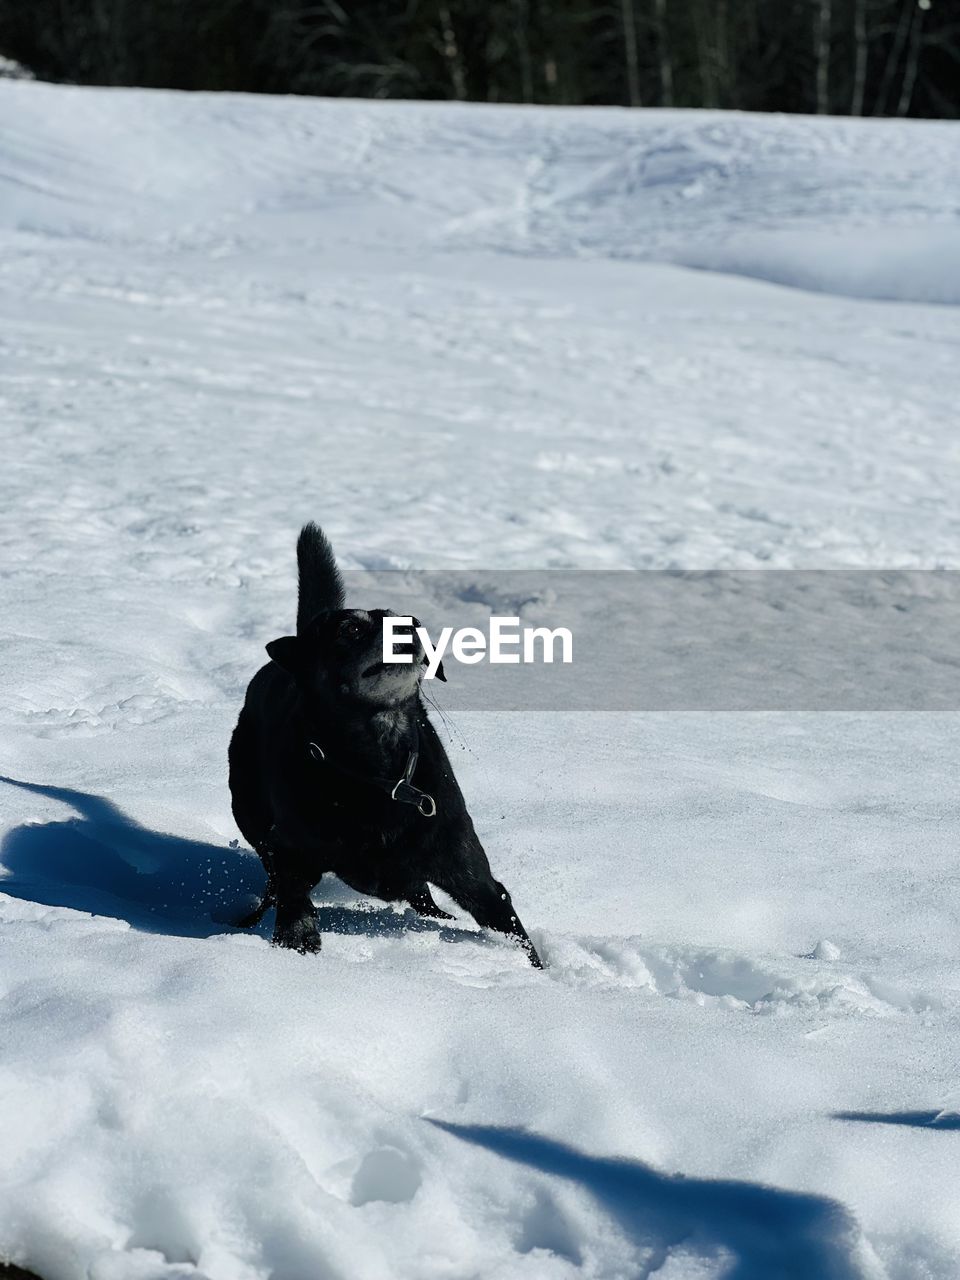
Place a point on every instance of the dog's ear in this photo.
(287, 652)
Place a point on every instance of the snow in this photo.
(469, 338)
(919, 263)
(9, 69)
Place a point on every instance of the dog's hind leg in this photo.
(421, 899)
(253, 918)
(269, 898)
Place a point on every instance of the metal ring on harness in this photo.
(405, 793)
(403, 790)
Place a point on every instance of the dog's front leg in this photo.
(296, 924)
(292, 878)
(471, 885)
(493, 909)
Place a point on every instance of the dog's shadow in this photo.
(104, 862)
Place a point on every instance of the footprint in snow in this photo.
(385, 1174)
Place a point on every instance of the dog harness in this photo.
(403, 790)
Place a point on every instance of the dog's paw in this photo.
(301, 935)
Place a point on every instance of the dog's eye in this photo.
(350, 630)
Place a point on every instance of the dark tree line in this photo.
(847, 57)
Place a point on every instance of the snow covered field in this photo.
(469, 338)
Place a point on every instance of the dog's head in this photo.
(339, 656)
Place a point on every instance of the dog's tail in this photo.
(321, 586)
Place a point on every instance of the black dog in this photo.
(334, 766)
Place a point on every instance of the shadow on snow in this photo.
(104, 862)
(915, 1119)
(767, 1233)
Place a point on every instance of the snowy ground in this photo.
(469, 338)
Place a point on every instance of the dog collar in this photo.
(403, 790)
